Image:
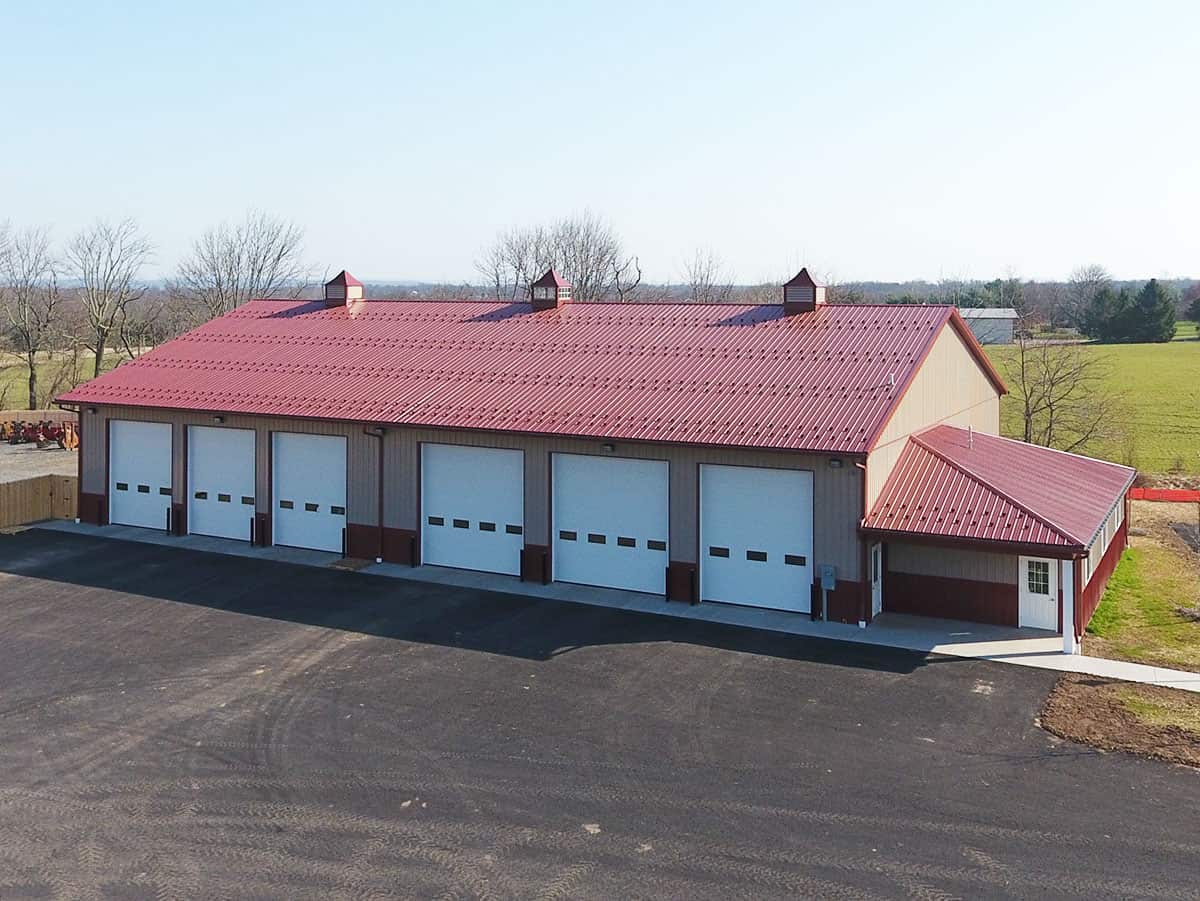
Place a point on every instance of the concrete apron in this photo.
(1021, 647)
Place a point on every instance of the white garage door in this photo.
(756, 538)
(472, 507)
(308, 475)
(220, 465)
(610, 522)
(139, 473)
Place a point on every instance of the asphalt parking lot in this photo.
(178, 724)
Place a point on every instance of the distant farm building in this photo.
(990, 325)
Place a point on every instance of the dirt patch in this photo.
(1123, 716)
(351, 564)
(1168, 480)
(1171, 524)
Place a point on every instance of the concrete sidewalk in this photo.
(1021, 647)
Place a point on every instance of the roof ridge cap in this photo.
(1054, 450)
(980, 480)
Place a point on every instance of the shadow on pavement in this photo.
(529, 628)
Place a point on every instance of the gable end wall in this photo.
(950, 388)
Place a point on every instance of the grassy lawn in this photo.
(14, 390)
(1140, 619)
(1139, 616)
(1160, 387)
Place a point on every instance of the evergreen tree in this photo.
(1193, 310)
(1148, 316)
(1153, 315)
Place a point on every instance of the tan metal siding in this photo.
(837, 493)
(361, 465)
(951, 563)
(950, 388)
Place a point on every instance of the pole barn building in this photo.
(831, 460)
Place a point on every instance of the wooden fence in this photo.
(38, 498)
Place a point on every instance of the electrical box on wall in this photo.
(828, 576)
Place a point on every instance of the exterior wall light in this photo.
(835, 462)
(218, 419)
(608, 448)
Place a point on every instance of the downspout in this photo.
(378, 432)
(864, 581)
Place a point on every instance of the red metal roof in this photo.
(949, 483)
(715, 374)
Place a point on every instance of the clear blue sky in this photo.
(874, 141)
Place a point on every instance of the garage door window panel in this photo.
(756, 523)
(139, 463)
(610, 518)
(220, 471)
(309, 477)
(466, 493)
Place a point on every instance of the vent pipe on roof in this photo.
(802, 294)
(549, 291)
(341, 288)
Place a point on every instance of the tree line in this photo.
(60, 304)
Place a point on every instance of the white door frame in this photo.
(875, 561)
(1037, 609)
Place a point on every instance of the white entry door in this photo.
(1038, 592)
(139, 473)
(308, 490)
(472, 507)
(610, 522)
(220, 484)
(756, 536)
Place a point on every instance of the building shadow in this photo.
(421, 612)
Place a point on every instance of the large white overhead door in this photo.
(756, 536)
(610, 522)
(308, 490)
(472, 507)
(139, 473)
(220, 464)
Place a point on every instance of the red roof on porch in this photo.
(950, 483)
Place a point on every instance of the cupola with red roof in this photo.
(341, 288)
(549, 291)
(802, 294)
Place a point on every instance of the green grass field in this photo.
(1138, 617)
(14, 390)
(1160, 389)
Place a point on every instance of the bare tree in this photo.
(260, 257)
(704, 277)
(1085, 283)
(106, 258)
(30, 298)
(1061, 387)
(583, 249)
